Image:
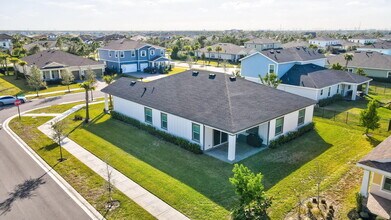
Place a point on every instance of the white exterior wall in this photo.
(215, 55)
(176, 125)
(263, 131)
(322, 43)
(208, 138)
(6, 44)
(383, 51)
(301, 91)
(319, 62)
(377, 190)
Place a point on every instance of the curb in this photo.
(68, 189)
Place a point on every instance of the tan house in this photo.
(376, 183)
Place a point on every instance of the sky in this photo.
(140, 15)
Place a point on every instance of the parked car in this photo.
(7, 100)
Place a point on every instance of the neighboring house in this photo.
(229, 52)
(5, 41)
(53, 62)
(349, 46)
(87, 39)
(262, 44)
(129, 56)
(374, 64)
(379, 46)
(52, 36)
(316, 82)
(111, 37)
(324, 42)
(139, 38)
(278, 61)
(362, 40)
(44, 45)
(376, 183)
(298, 43)
(211, 109)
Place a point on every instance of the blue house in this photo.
(278, 61)
(127, 56)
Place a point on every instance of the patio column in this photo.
(365, 183)
(354, 92)
(231, 147)
(106, 102)
(367, 89)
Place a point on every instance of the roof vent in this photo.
(195, 73)
(132, 83)
(272, 51)
(278, 51)
(298, 48)
(212, 75)
(232, 78)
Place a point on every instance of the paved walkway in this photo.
(51, 93)
(138, 194)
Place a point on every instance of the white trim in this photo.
(122, 54)
(141, 53)
(365, 167)
(110, 55)
(274, 68)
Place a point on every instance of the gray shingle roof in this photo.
(227, 48)
(293, 54)
(231, 106)
(380, 157)
(296, 44)
(126, 44)
(5, 37)
(362, 59)
(324, 39)
(261, 41)
(41, 59)
(379, 45)
(314, 76)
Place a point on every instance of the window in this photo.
(329, 92)
(321, 92)
(195, 132)
(122, 54)
(350, 70)
(143, 53)
(389, 74)
(133, 53)
(387, 184)
(301, 117)
(163, 118)
(116, 54)
(152, 52)
(162, 52)
(349, 86)
(279, 126)
(337, 89)
(271, 68)
(148, 115)
(110, 54)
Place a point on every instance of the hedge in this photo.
(291, 135)
(181, 142)
(329, 101)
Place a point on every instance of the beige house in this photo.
(376, 183)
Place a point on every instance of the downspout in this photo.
(203, 137)
(268, 132)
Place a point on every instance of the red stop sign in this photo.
(17, 102)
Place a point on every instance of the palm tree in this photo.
(35, 49)
(23, 64)
(270, 79)
(348, 57)
(360, 72)
(218, 49)
(14, 61)
(108, 80)
(209, 49)
(86, 85)
(4, 58)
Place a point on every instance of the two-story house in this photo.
(5, 41)
(127, 56)
(324, 42)
(278, 61)
(262, 44)
(228, 52)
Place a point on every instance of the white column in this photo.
(50, 75)
(354, 92)
(106, 102)
(365, 183)
(231, 147)
(367, 89)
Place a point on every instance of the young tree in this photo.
(360, 72)
(336, 66)
(109, 186)
(34, 80)
(203, 57)
(35, 49)
(253, 201)
(87, 86)
(348, 57)
(4, 60)
(67, 78)
(369, 117)
(270, 79)
(108, 80)
(209, 49)
(318, 175)
(189, 61)
(14, 61)
(218, 49)
(23, 64)
(58, 128)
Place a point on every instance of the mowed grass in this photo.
(60, 108)
(198, 185)
(10, 86)
(84, 180)
(176, 70)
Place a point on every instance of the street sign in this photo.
(17, 102)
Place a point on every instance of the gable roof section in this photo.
(261, 41)
(5, 37)
(291, 54)
(126, 44)
(362, 59)
(378, 45)
(324, 39)
(380, 157)
(50, 57)
(231, 106)
(314, 76)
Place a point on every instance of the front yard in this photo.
(198, 186)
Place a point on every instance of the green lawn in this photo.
(84, 180)
(214, 63)
(176, 70)
(380, 91)
(60, 108)
(198, 186)
(10, 86)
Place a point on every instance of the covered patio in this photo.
(351, 91)
(243, 151)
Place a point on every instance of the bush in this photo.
(359, 199)
(78, 117)
(291, 135)
(183, 143)
(254, 140)
(329, 101)
(53, 81)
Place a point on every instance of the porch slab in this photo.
(378, 206)
(243, 151)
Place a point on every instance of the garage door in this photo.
(143, 66)
(129, 68)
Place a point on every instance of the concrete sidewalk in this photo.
(51, 93)
(138, 194)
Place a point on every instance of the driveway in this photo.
(26, 191)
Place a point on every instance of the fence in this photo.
(349, 118)
(380, 88)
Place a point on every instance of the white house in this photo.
(316, 82)
(362, 40)
(324, 42)
(213, 110)
(262, 44)
(383, 47)
(229, 52)
(5, 41)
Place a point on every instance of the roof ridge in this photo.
(229, 102)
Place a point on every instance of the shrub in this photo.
(195, 148)
(329, 101)
(53, 82)
(78, 117)
(254, 140)
(291, 135)
(359, 202)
